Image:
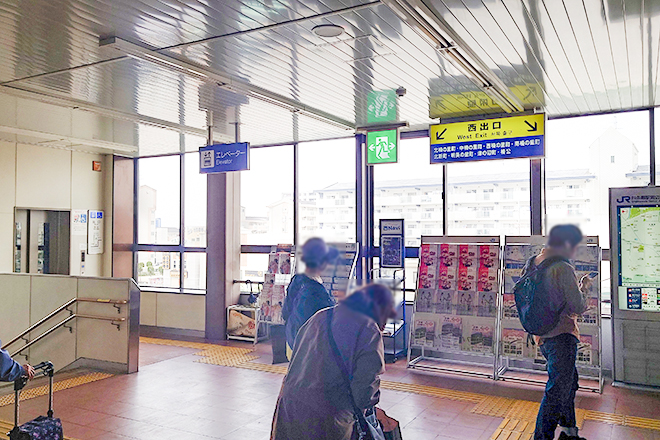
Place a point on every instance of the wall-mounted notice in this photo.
(79, 222)
(95, 236)
(392, 245)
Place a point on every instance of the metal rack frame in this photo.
(258, 321)
(396, 285)
(462, 359)
(255, 310)
(504, 362)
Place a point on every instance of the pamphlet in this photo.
(452, 332)
(424, 303)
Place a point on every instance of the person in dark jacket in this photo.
(10, 370)
(306, 295)
(315, 402)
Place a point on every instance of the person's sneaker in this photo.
(564, 436)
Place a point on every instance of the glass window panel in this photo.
(327, 190)
(585, 157)
(195, 202)
(488, 198)
(194, 270)
(267, 197)
(253, 266)
(159, 269)
(159, 200)
(410, 189)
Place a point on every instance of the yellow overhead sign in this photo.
(488, 129)
(487, 139)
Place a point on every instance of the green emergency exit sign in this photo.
(381, 106)
(382, 146)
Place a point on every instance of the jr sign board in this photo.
(500, 138)
(382, 146)
(222, 158)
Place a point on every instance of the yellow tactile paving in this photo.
(183, 344)
(60, 385)
(514, 429)
(519, 415)
(426, 390)
(5, 427)
(266, 368)
(212, 353)
(226, 356)
(521, 411)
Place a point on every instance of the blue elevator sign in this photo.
(222, 158)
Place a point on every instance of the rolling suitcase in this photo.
(43, 427)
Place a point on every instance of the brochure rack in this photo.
(395, 337)
(454, 323)
(281, 264)
(518, 353)
(336, 277)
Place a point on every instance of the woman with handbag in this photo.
(333, 382)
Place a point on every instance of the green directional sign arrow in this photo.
(382, 146)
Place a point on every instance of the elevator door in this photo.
(42, 241)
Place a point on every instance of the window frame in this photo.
(364, 193)
(179, 248)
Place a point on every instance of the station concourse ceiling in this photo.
(564, 57)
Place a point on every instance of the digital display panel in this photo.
(639, 258)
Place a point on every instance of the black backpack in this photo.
(539, 314)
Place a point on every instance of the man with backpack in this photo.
(549, 299)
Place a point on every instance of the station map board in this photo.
(639, 257)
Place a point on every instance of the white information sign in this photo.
(79, 222)
(95, 236)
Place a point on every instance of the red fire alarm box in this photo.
(96, 165)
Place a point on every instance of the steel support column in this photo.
(535, 194)
(360, 205)
(370, 220)
(652, 169)
(445, 207)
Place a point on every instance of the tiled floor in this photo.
(173, 397)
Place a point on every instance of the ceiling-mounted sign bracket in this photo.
(380, 127)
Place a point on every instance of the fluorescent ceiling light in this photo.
(124, 47)
(452, 48)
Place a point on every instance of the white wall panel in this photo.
(100, 339)
(181, 311)
(86, 184)
(48, 293)
(15, 300)
(148, 307)
(43, 177)
(6, 242)
(7, 175)
(34, 115)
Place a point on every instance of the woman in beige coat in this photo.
(314, 402)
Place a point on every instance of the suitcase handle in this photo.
(47, 369)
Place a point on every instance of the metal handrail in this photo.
(62, 323)
(61, 309)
